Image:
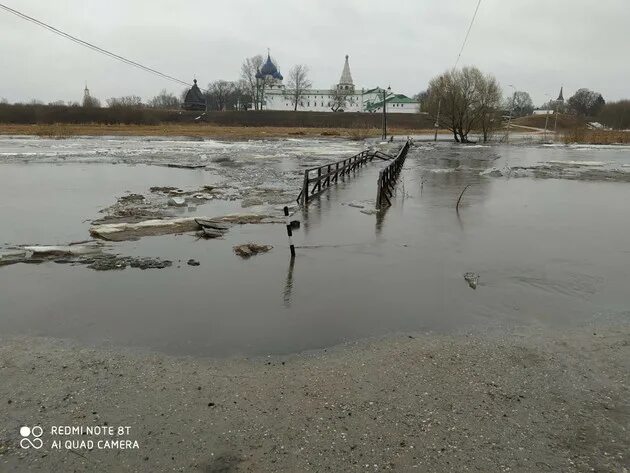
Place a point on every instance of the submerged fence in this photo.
(318, 179)
(387, 178)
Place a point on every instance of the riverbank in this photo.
(571, 129)
(220, 132)
(522, 402)
(201, 130)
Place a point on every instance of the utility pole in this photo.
(384, 137)
(437, 119)
(547, 115)
(546, 121)
(385, 92)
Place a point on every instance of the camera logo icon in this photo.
(31, 437)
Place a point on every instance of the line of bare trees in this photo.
(246, 93)
(463, 100)
(615, 115)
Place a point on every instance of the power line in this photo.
(467, 33)
(437, 118)
(92, 46)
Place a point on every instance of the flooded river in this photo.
(546, 228)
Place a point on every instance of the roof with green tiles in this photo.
(395, 98)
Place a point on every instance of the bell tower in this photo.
(560, 97)
(345, 82)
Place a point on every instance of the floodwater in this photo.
(545, 227)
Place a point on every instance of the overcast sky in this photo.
(536, 45)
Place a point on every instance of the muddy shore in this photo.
(526, 401)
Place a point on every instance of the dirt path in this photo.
(522, 402)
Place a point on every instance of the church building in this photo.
(194, 99)
(343, 97)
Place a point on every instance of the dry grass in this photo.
(595, 137)
(359, 134)
(202, 130)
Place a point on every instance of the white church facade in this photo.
(345, 97)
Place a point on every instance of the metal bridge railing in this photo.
(387, 178)
(318, 179)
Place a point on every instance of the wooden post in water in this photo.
(289, 231)
(305, 189)
(319, 180)
(379, 186)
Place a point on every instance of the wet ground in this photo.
(544, 227)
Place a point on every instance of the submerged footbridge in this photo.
(319, 179)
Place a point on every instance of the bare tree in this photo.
(3, 101)
(520, 103)
(488, 103)
(91, 102)
(242, 96)
(586, 102)
(339, 99)
(126, 101)
(253, 86)
(616, 114)
(466, 99)
(220, 94)
(298, 84)
(548, 105)
(165, 100)
(421, 97)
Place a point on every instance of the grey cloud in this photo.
(537, 45)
